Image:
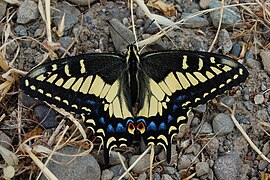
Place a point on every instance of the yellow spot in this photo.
(67, 70)
(160, 108)
(106, 106)
(151, 137)
(69, 82)
(59, 82)
(113, 91)
(228, 81)
(240, 71)
(40, 91)
(212, 60)
(156, 90)
(74, 106)
(165, 88)
(66, 102)
(122, 139)
(110, 140)
(192, 79)
(209, 75)
(201, 77)
(164, 105)
(86, 109)
(181, 118)
(33, 87)
(200, 64)
(49, 95)
(221, 86)
(153, 107)
(77, 84)
(186, 103)
(91, 121)
(163, 138)
(214, 89)
(235, 76)
(52, 78)
(184, 63)
(205, 94)
(101, 131)
(197, 99)
(216, 70)
(97, 86)
(83, 70)
(172, 83)
(86, 84)
(172, 128)
(26, 82)
(110, 110)
(57, 98)
(183, 80)
(41, 77)
(54, 67)
(226, 68)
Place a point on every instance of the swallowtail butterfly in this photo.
(103, 88)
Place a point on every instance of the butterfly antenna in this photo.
(117, 32)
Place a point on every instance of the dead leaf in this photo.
(167, 9)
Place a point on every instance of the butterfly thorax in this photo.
(132, 58)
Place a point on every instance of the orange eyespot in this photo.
(131, 128)
(141, 127)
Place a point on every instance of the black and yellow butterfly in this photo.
(103, 88)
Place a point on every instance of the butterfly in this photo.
(163, 86)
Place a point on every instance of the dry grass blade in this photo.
(42, 166)
(16, 2)
(48, 20)
(244, 133)
(41, 10)
(3, 64)
(9, 157)
(132, 166)
(61, 26)
(124, 166)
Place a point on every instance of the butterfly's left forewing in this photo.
(172, 82)
(93, 86)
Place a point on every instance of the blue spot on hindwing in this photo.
(90, 102)
(162, 127)
(152, 126)
(175, 107)
(128, 121)
(101, 120)
(181, 98)
(141, 120)
(120, 128)
(110, 129)
(170, 118)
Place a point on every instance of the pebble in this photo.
(11, 47)
(195, 122)
(194, 22)
(198, 44)
(265, 55)
(254, 64)
(258, 99)
(242, 119)
(166, 177)
(225, 41)
(222, 124)
(262, 114)
(183, 163)
(21, 30)
(156, 176)
(266, 148)
(82, 2)
(249, 105)
(212, 147)
(262, 165)
(142, 176)
(3, 8)
(65, 41)
(206, 128)
(236, 50)
(227, 100)
(150, 27)
(202, 168)
(81, 167)
(226, 167)
(72, 15)
(107, 174)
(118, 170)
(113, 159)
(169, 170)
(200, 108)
(204, 4)
(245, 93)
(5, 140)
(248, 55)
(142, 165)
(194, 149)
(230, 17)
(27, 12)
(163, 155)
(38, 32)
(46, 116)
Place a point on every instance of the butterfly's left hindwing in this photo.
(93, 86)
(175, 81)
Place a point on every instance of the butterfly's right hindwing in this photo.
(91, 85)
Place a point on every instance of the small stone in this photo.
(150, 27)
(245, 94)
(107, 174)
(249, 105)
(194, 22)
(142, 176)
(21, 30)
(202, 168)
(113, 158)
(65, 41)
(266, 148)
(242, 119)
(200, 108)
(11, 47)
(195, 122)
(169, 170)
(204, 4)
(206, 128)
(156, 176)
(198, 44)
(38, 33)
(222, 124)
(248, 55)
(194, 149)
(254, 64)
(68, 167)
(3, 8)
(227, 100)
(227, 167)
(5, 140)
(139, 13)
(259, 99)
(265, 55)
(28, 11)
(262, 114)
(183, 163)
(141, 165)
(225, 41)
(163, 155)
(166, 177)
(212, 147)
(125, 21)
(262, 165)
(229, 17)
(118, 170)
(46, 116)
(236, 50)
